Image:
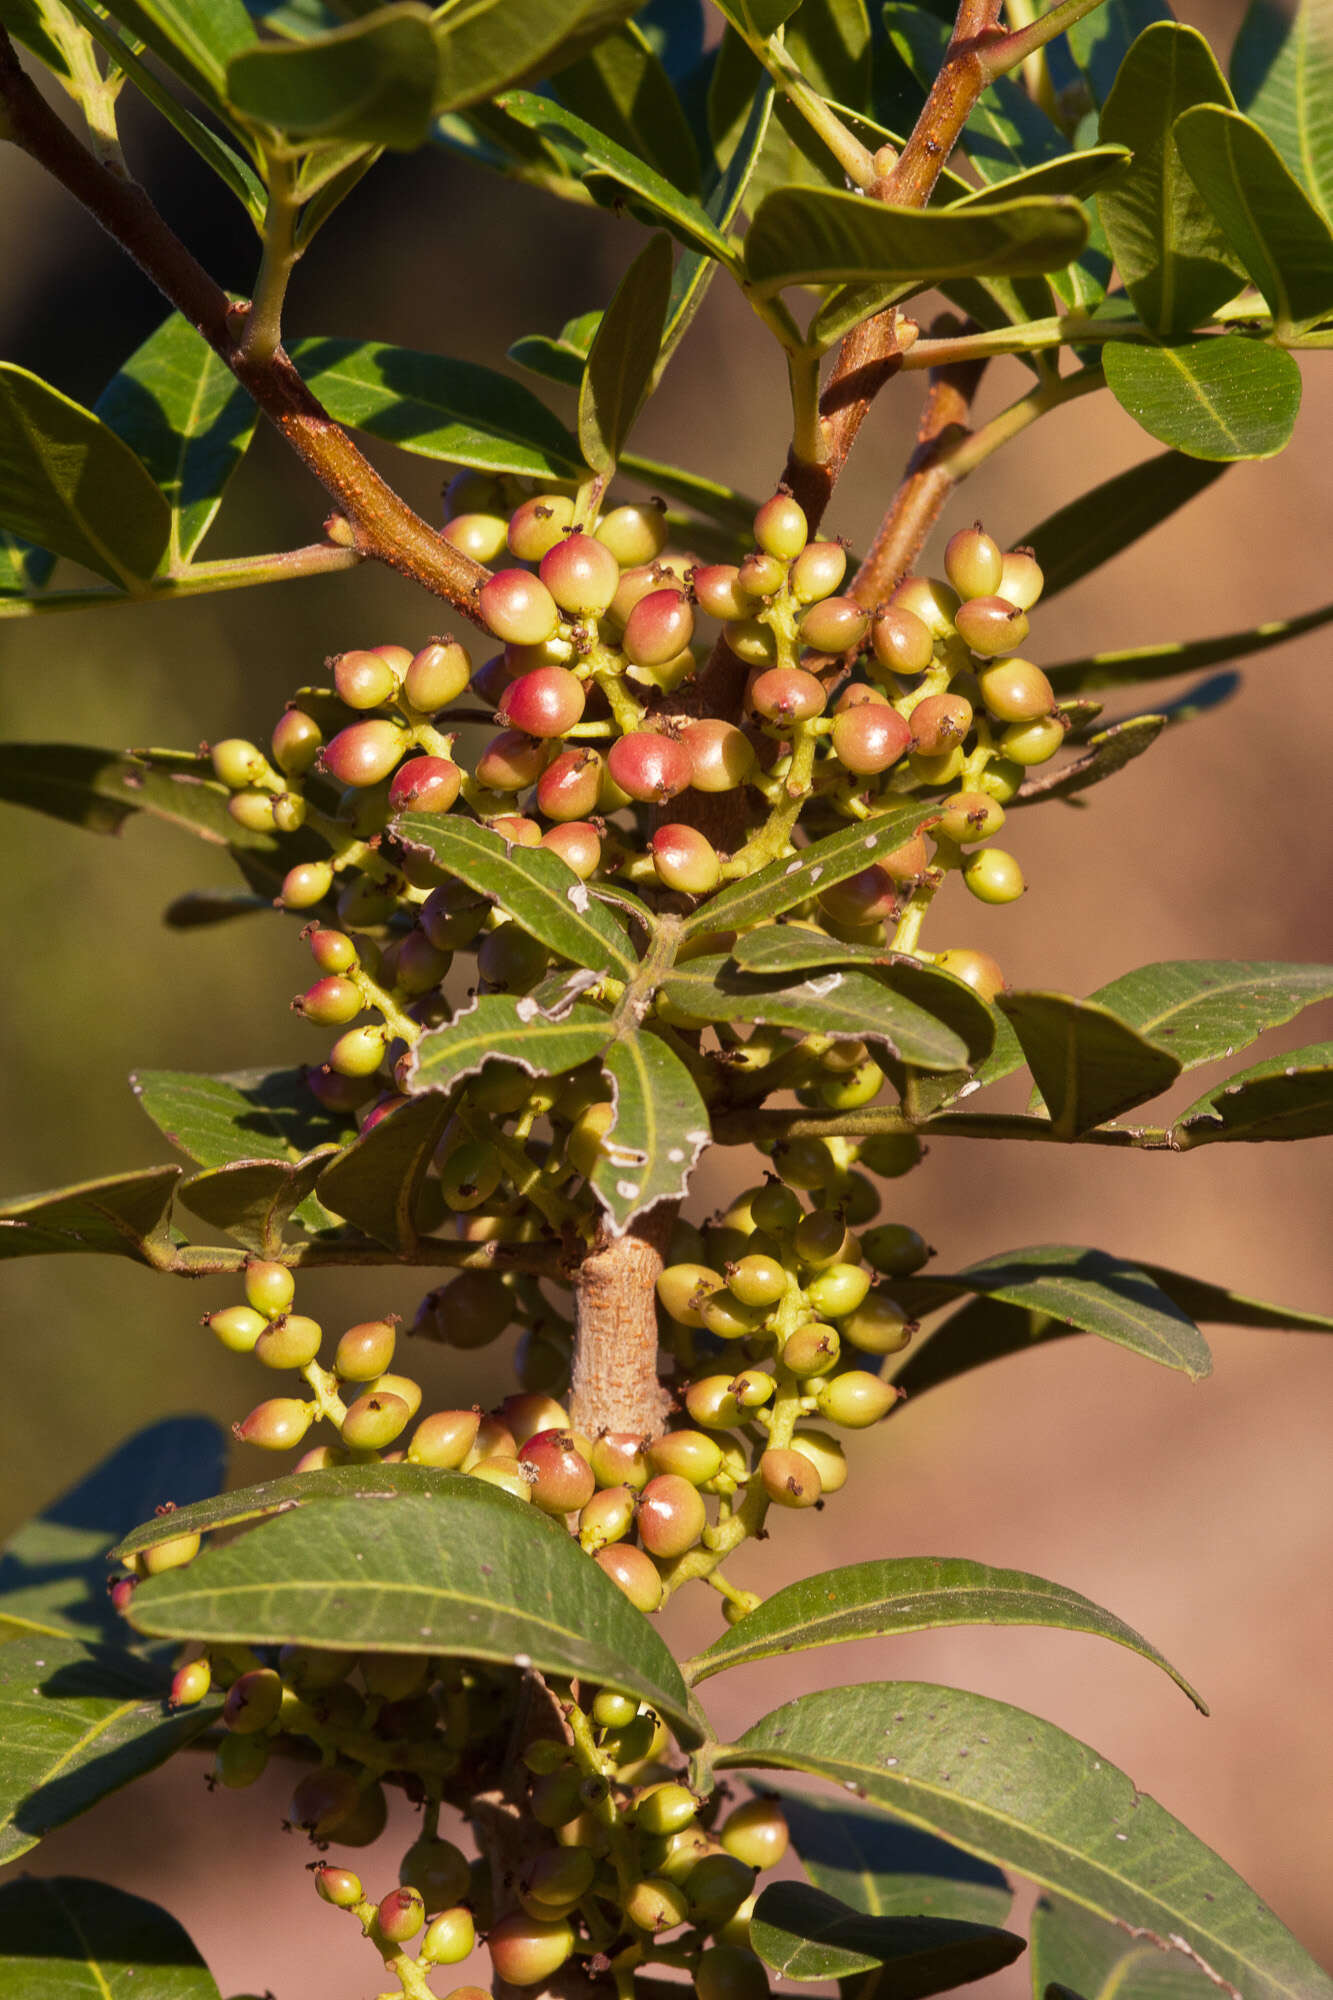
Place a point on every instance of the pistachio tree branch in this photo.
(384, 526)
(1013, 49)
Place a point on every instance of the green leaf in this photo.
(1031, 1798)
(1107, 752)
(437, 408)
(1112, 515)
(851, 1005)
(77, 1722)
(886, 1869)
(485, 44)
(1220, 398)
(623, 356)
(101, 789)
(593, 155)
(816, 236)
(658, 1132)
(1172, 258)
(1136, 664)
(63, 1938)
(253, 1200)
(68, 483)
(1205, 1301)
(126, 1215)
(185, 415)
(734, 511)
(1282, 73)
(622, 89)
(1100, 41)
(374, 81)
(374, 1184)
(911, 1594)
(501, 1027)
(28, 22)
(722, 203)
(1089, 1064)
(468, 1572)
(1085, 1289)
(802, 1933)
(781, 885)
(1209, 1007)
(537, 889)
(560, 360)
(248, 1115)
(1080, 1954)
(198, 908)
(757, 19)
(279, 1496)
(1280, 237)
(196, 39)
(1077, 174)
(53, 1569)
(1287, 1097)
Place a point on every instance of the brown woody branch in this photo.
(384, 526)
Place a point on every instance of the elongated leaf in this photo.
(1281, 238)
(196, 39)
(1287, 1097)
(562, 359)
(782, 949)
(251, 1114)
(537, 889)
(1078, 174)
(1149, 663)
(757, 18)
(1222, 398)
(849, 1004)
(253, 1200)
(1172, 257)
(373, 82)
(815, 236)
(1079, 538)
(502, 1028)
(437, 408)
(126, 1215)
(101, 789)
(470, 1573)
(722, 202)
(1089, 1064)
(886, 1869)
(279, 1496)
(29, 22)
(1209, 1007)
(64, 1938)
(485, 44)
(621, 87)
(1076, 1953)
(623, 356)
(1214, 1303)
(1282, 74)
(781, 885)
(78, 1722)
(734, 511)
(1029, 1797)
(911, 1594)
(593, 155)
(375, 1183)
(68, 483)
(1107, 752)
(53, 1570)
(801, 1933)
(1100, 41)
(183, 412)
(659, 1130)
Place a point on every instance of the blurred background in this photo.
(1201, 1514)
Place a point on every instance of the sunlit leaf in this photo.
(660, 1128)
(500, 1028)
(621, 87)
(1281, 238)
(64, 1938)
(124, 1215)
(1089, 1064)
(374, 81)
(885, 1868)
(1287, 1097)
(1107, 752)
(623, 356)
(1282, 74)
(1216, 397)
(781, 885)
(248, 1115)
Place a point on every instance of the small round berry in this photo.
(864, 898)
(901, 642)
(437, 1870)
(277, 1425)
(527, 1951)
(720, 1402)
(757, 1280)
(1021, 578)
(579, 846)
(545, 703)
(564, 1479)
(252, 1702)
(717, 1887)
(634, 584)
(444, 1439)
(817, 571)
(685, 860)
(788, 1479)
(321, 1800)
(994, 876)
(665, 1808)
(658, 628)
(358, 1053)
(655, 1904)
(775, 1209)
(939, 722)
(811, 1350)
(855, 1400)
(480, 536)
(330, 1003)
(518, 607)
(365, 1350)
(828, 1459)
(895, 1250)
(504, 1471)
(237, 1327)
(976, 969)
(570, 786)
(306, 885)
(788, 694)
(869, 738)
(581, 574)
(291, 1341)
(780, 527)
(425, 785)
(296, 742)
(891, 1154)
(1015, 690)
(364, 680)
(190, 1684)
(969, 816)
(760, 577)
(1027, 743)
(973, 562)
(365, 753)
(684, 1288)
(855, 1089)
(539, 525)
(723, 1314)
(634, 1572)
(240, 1761)
(367, 1820)
(238, 763)
(618, 1459)
(757, 1833)
(332, 951)
(835, 625)
(437, 675)
(560, 1877)
(751, 641)
(649, 767)
(516, 829)
(511, 761)
(931, 600)
(821, 1239)
(804, 1163)
(606, 1518)
(939, 769)
(721, 756)
(634, 533)
(374, 1421)
(400, 1915)
(671, 1515)
(688, 1455)
(255, 811)
(527, 1416)
(509, 960)
(450, 1938)
(717, 591)
(990, 626)
(338, 1886)
(878, 1325)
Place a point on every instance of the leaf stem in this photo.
(196, 580)
(964, 457)
(262, 335)
(998, 57)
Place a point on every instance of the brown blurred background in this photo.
(1202, 1515)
